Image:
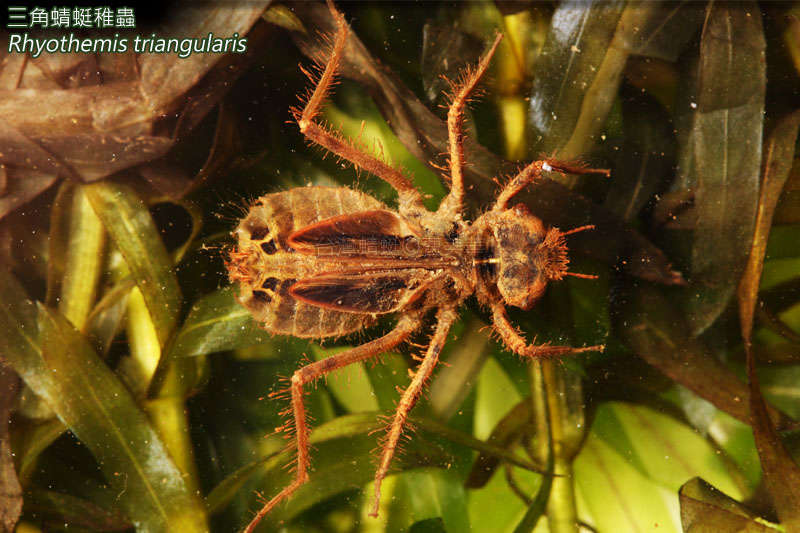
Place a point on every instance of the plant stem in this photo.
(561, 508)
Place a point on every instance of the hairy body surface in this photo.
(320, 262)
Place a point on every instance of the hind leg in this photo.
(310, 373)
(446, 318)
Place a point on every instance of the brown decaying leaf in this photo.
(98, 114)
(658, 333)
(577, 64)
(720, 123)
(10, 490)
(22, 186)
(781, 473)
(778, 157)
(704, 508)
(425, 136)
(569, 106)
(171, 179)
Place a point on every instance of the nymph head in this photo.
(526, 255)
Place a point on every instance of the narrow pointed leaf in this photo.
(130, 225)
(507, 430)
(781, 473)
(341, 439)
(579, 40)
(95, 405)
(73, 511)
(778, 156)
(66, 372)
(656, 331)
(647, 158)
(538, 506)
(344, 450)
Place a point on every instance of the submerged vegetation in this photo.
(136, 388)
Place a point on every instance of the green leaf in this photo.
(616, 496)
(427, 494)
(282, 16)
(596, 83)
(89, 399)
(781, 384)
(216, 323)
(127, 220)
(505, 432)
(491, 407)
(342, 460)
(736, 440)
(667, 32)
(95, 405)
(496, 508)
(83, 261)
(660, 447)
(349, 385)
(538, 505)
(346, 461)
(454, 381)
(32, 442)
(704, 509)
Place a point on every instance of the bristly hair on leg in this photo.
(574, 166)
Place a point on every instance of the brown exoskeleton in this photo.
(322, 262)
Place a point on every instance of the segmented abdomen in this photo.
(267, 267)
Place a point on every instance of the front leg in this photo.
(310, 373)
(533, 172)
(517, 344)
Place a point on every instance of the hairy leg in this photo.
(451, 205)
(517, 344)
(445, 319)
(308, 374)
(533, 172)
(334, 141)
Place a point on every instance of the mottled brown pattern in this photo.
(323, 262)
(273, 218)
